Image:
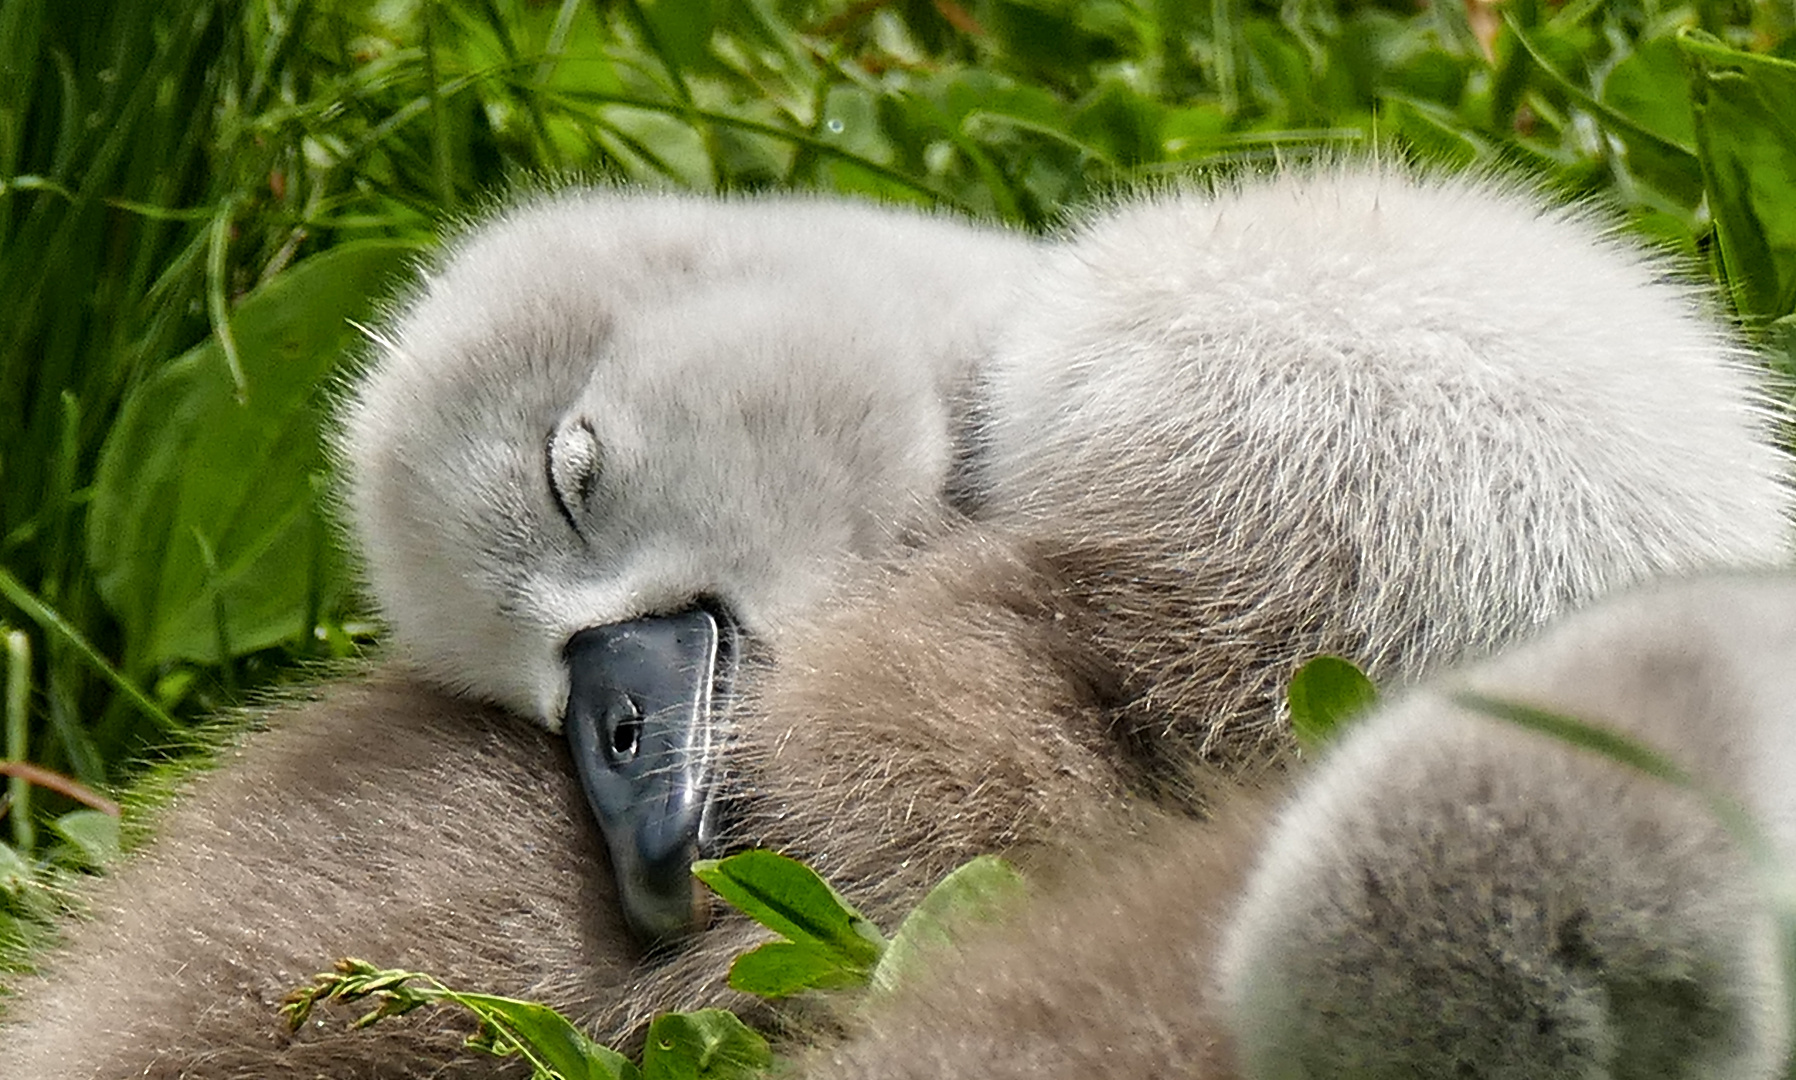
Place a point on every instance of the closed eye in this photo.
(571, 463)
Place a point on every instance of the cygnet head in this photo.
(610, 431)
(1452, 895)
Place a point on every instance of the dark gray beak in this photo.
(642, 712)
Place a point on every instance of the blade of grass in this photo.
(1630, 752)
(217, 300)
(51, 622)
(18, 739)
(26, 774)
(442, 158)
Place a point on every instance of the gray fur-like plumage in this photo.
(383, 820)
(1106, 973)
(1446, 896)
(1350, 411)
(1454, 896)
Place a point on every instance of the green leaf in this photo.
(204, 535)
(554, 1047)
(1043, 37)
(789, 898)
(850, 119)
(783, 968)
(93, 835)
(1120, 122)
(984, 890)
(1192, 131)
(1326, 691)
(1745, 110)
(711, 1044)
(1623, 125)
(681, 31)
(1649, 88)
(549, 1038)
(1648, 85)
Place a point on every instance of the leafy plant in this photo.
(826, 945)
(204, 533)
(708, 1043)
(1326, 692)
(1743, 109)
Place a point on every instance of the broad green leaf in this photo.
(549, 1037)
(984, 890)
(789, 898)
(1396, 56)
(1121, 123)
(782, 968)
(682, 32)
(1192, 131)
(710, 1044)
(1326, 691)
(851, 120)
(1745, 110)
(1042, 37)
(960, 93)
(94, 835)
(680, 152)
(1279, 72)
(204, 534)
(1649, 88)
(1617, 121)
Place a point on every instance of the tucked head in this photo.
(602, 411)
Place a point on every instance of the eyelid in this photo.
(571, 466)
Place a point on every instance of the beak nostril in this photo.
(625, 724)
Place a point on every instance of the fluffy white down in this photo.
(748, 395)
(1432, 380)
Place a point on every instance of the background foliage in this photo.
(197, 199)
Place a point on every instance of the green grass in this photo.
(193, 195)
